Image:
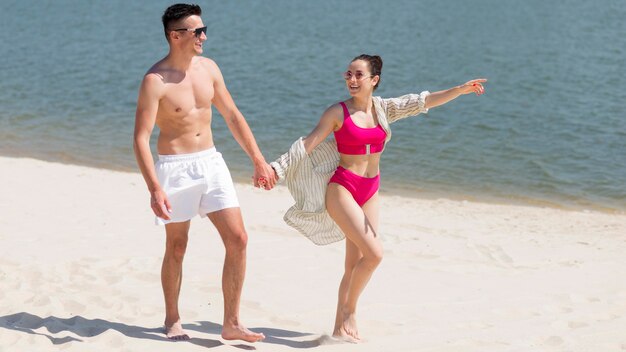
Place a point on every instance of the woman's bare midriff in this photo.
(362, 165)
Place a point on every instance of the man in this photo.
(191, 177)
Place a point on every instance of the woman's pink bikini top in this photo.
(354, 140)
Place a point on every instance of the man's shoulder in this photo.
(153, 81)
(153, 78)
(155, 74)
(206, 62)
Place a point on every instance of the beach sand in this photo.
(80, 261)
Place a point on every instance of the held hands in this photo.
(473, 86)
(160, 204)
(264, 177)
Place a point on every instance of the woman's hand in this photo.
(473, 86)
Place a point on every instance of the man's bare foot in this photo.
(175, 332)
(240, 333)
(348, 331)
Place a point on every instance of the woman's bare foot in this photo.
(348, 331)
(239, 332)
(175, 332)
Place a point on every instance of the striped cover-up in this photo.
(307, 176)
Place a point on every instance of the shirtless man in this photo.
(190, 176)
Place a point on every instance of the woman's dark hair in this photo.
(375, 63)
(178, 12)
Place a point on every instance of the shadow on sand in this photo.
(273, 336)
(83, 327)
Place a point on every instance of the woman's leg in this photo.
(363, 252)
(353, 255)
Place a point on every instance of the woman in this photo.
(336, 185)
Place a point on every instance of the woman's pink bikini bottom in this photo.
(361, 188)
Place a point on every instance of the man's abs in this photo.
(185, 134)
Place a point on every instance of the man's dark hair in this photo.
(178, 12)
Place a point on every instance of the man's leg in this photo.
(172, 276)
(229, 224)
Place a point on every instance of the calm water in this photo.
(551, 128)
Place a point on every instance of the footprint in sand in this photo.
(149, 311)
(283, 322)
(38, 300)
(578, 298)
(474, 325)
(115, 342)
(112, 279)
(493, 253)
(553, 341)
(8, 341)
(551, 310)
(73, 307)
(148, 277)
(325, 340)
(604, 316)
(98, 301)
(577, 324)
(571, 263)
(562, 324)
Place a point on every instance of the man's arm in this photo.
(238, 126)
(145, 117)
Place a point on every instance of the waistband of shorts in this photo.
(187, 157)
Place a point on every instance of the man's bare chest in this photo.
(182, 98)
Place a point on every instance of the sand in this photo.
(80, 260)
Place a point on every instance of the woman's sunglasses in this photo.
(358, 75)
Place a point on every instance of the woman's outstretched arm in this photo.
(444, 96)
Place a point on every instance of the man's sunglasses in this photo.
(196, 31)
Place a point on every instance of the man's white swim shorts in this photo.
(196, 183)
